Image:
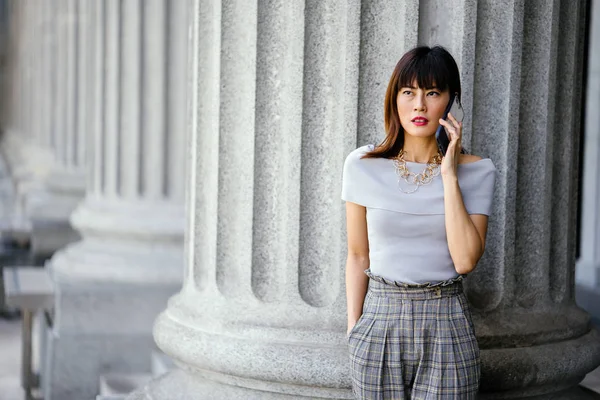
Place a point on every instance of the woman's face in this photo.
(420, 109)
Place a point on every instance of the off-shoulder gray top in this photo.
(406, 232)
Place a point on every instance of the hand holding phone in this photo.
(455, 108)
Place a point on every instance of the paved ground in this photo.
(10, 350)
(10, 356)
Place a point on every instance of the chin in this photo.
(420, 134)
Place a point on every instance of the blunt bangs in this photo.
(430, 67)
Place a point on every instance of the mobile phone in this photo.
(441, 136)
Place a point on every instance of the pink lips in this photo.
(420, 121)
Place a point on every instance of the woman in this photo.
(416, 222)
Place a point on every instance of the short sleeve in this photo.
(373, 183)
(353, 177)
(477, 187)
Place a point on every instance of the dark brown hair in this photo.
(429, 67)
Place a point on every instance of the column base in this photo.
(181, 384)
(544, 370)
(48, 236)
(75, 362)
(575, 393)
(102, 321)
(49, 209)
(25, 159)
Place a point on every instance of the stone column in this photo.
(522, 64)
(13, 94)
(23, 144)
(11, 141)
(64, 186)
(112, 283)
(276, 90)
(588, 266)
(27, 65)
(273, 113)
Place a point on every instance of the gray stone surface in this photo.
(184, 385)
(78, 360)
(264, 273)
(387, 30)
(28, 288)
(523, 290)
(49, 235)
(26, 139)
(273, 324)
(454, 25)
(10, 361)
(64, 184)
(112, 283)
(264, 257)
(27, 165)
(103, 314)
(161, 364)
(50, 208)
(113, 385)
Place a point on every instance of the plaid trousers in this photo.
(414, 342)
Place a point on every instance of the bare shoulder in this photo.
(468, 158)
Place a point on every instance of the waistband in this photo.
(378, 285)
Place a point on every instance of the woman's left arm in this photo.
(465, 233)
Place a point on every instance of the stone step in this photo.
(118, 386)
(592, 381)
(28, 288)
(161, 363)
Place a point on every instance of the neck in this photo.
(420, 150)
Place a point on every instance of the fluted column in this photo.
(588, 265)
(279, 95)
(64, 185)
(11, 140)
(112, 283)
(24, 142)
(273, 111)
(522, 64)
(28, 157)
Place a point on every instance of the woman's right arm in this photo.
(357, 261)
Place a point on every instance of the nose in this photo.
(419, 103)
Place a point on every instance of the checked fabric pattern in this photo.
(414, 343)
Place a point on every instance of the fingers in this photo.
(451, 118)
(455, 123)
(454, 130)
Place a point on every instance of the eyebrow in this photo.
(429, 88)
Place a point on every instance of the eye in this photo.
(407, 92)
(433, 93)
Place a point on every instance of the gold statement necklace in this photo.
(431, 170)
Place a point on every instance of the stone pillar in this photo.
(64, 186)
(280, 91)
(27, 66)
(112, 283)
(588, 266)
(23, 142)
(11, 141)
(273, 113)
(11, 77)
(522, 64)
